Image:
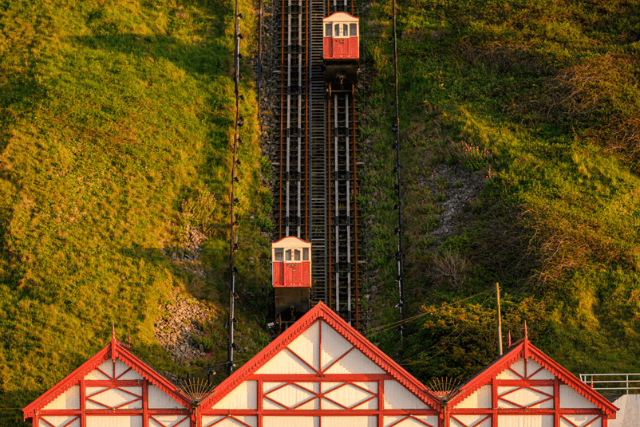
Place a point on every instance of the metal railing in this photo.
(627, 381)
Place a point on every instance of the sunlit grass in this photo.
(543, 93)
(113, 117)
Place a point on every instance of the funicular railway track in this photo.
(315, 161)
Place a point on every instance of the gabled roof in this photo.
(290, 237)
(324, 313)
(114, 350)
(524, 349)
(341, 16)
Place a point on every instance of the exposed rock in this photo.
(174, 329)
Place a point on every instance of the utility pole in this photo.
(499, 319)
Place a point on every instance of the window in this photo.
(288, 255)
(345, 30)
(279, 254)
(354, 30)
(296, 255)
(305, 254)
(327, 30)
(336, 30)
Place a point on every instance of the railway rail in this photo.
(316, 158)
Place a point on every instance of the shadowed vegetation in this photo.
(116, 123)
(549, 90)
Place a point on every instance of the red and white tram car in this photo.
(341, 51)
(291, 278)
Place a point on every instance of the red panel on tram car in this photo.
(291, 263)
(278, 276)
(341, 36)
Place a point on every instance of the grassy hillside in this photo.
(536, 104)
(116, 121)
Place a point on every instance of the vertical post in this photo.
(499, 319)
(232, 240)
(83, 403)
(145, 403)
(400, 257)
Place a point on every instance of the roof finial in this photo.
(113, 342)
(509, 338)
(526, 337)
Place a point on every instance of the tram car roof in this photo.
(341, 17)
(290, 242)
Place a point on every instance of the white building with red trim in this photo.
(112, 389)
(322, 373)
(526, 388)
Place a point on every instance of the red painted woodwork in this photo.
(324, 313)
(341, 48)
(293, 272)
(525, 350)
(114, 351)
(343, 40)
(296, 274)
(321, 312)
(278, 274)
(137, 390)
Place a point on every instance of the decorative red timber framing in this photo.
(532, 389)
(321, 371)
(113, 383)
(321, 392)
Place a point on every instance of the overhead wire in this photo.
(396, 323)
(461, 328)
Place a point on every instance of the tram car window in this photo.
(291, 275)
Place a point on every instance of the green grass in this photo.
(116, 122)
(545, 96)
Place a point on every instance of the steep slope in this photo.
(520, 147)
(115, 128)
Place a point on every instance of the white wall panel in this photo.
(114, 421)
(70, 399)
(398, 397)
(354, 363)
(525, 421)
(121, 367)
(292, 422)
(113, 398)
(533, 366)
(59, 421)
(351, 397)
(333, 345)
(97, 375)
(158, 399)
(518, 367)
(582, 421)
(169, 421)
(348, 422)
(569, 398)
(293, 395)
(404, 421)
(131, 375)
(285, 363)
(244, 396)
(629, 413)
(307, 346)
(480, 398)
(526, 397)
(267, 387)
(235, 421)
(472, 421)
